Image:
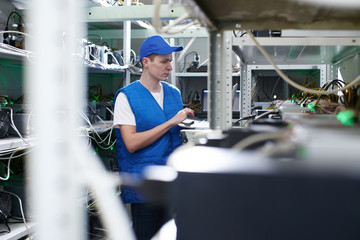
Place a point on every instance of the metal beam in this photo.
(141, 12)
(144, 33)
(297, 41)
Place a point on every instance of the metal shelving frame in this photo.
(217, 21)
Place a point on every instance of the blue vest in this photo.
(148, 114)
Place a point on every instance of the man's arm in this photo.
(135, 141)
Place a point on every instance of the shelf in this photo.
(192, 74)
(95, 69)
(275, 15)
(9, 57)
(18, 230)
(199, 74)
(300, 50)
(14, 142)
(98, 127)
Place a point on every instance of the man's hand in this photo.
(182, 115)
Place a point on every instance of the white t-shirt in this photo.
(123, 114)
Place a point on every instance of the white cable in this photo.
(9, 162)
(265, 113)
(102, 140)
(18, 32)
(12, 124)
(110, 134)
(186, 26)
(248, 141)
(113, 213)
(203, 62)
(105, 148)
(186, 48)
(157, 22)
(88, 121)
(291, 82)
(112, 113)
(28, 122)
(101, 120)
(8, 168)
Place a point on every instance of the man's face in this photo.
(160, 67)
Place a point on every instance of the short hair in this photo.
(152, 56)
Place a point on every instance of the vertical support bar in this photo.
(246, 82)
(214, 79)
(127, 44)
(56, 91)
(242, 90)
(332, 74)
(172, 43)
(324, 73)
(226, 81)
(220, 80)
(172, 74)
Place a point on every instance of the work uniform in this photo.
(148, 114)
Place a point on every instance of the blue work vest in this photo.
(148, 114)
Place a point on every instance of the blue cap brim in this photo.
(157, 44)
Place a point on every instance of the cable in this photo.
(265, 113)
(244, 118)
(102, 140)
(8, 228)
(193, 52)
(272, 92)
(256, 138)
(188, 45)
(158, 26)
(7, 23)
(291, 82)
(9, 162)
(96, 35)
(12, 124)
(21, 210)
(112, 113)
(18, 32)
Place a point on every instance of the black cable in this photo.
(8, 228)
(7, 22)
(193, 52)
(96, 35)
(5, 35)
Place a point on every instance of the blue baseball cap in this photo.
(157, 44)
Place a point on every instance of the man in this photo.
(146, 117)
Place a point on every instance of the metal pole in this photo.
(172, 76)
(226, 81)
(214, 79)
(127, 44)
(220, 80)
(55, 82)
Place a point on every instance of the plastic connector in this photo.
(346, 117)
(197, 58)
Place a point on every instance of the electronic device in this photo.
(5, 205)
(205, 99)
(4, 124)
